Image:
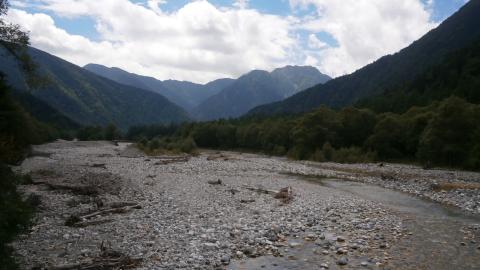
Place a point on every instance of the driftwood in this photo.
(261, 190)
(284, 194)
(216, 182)
(99, 165)
(118, 210)
(219, 156)
(114, 208)
(168, 160)
(247, 200)
(81, 190)
(84, 224)
(108, 259)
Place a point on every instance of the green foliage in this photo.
(448, 137)
(136, 133)
(167, 145)
(393, 71)
(90, 133)
(458, 74)
(111, 133)
(97, 133)
(444, 133)
(18, 130)
(15, 214)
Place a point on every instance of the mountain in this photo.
(185, 94)
(89, 99)
(458, 75)
(44, 112)
(256, 88)
(455, 33)
(298, 78)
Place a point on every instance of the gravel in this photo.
(186, 223)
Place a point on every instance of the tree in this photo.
(16, 41)
(111, 133)
(447, 138)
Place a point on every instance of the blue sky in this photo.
(86, 26)
(321, 33)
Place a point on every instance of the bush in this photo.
(169, 145)
(15, 214)
(352, 155)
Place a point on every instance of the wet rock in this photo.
(342, 261)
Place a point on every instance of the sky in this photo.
(203, 40)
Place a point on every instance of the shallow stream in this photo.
(439, 237)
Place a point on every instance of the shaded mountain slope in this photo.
(89, 99)
(457, 32)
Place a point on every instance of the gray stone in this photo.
(342, 261)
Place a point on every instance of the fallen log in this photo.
(99, 165)
(216, 182)
(118, 210)
(91, 223)
(103, 262)
(285, 194)
(261, 190)
(81, 190)
(122, 207)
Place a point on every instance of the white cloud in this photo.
(364, 29)
(241, 3)
(315, 43)
(199, 42)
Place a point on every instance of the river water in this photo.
(440, 238)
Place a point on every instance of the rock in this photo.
(249, 251)
(324, 266)
(340, 239)
(294, 244)
(342, 261)
(364, 264)
(210, 246)
(217, 182)
(225, 259)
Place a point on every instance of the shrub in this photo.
(15, 214)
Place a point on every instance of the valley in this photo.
(207, 135)
(202, 212)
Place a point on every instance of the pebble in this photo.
(342, 261)
(185, 223)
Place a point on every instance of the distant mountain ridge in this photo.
(388, 72)
(185, 94)
(223, 98)
(88, 99)
(256, 88)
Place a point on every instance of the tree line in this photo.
(444, 133)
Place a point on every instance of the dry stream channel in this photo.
(104, 202)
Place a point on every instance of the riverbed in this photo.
(206, 212)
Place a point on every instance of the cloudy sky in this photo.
(202, 40)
